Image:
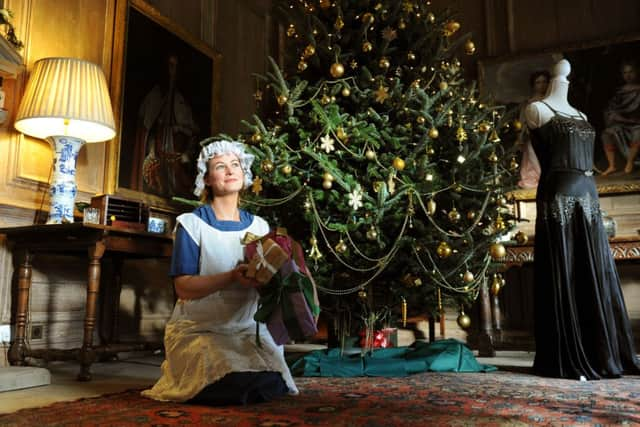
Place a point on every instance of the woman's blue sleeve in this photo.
(186, 255)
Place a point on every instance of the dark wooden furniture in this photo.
(622, 248)
(94, 241)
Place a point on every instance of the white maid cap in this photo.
(218, 148)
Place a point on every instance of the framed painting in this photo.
(599, 73)
(165, 89)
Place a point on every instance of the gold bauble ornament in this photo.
(362, 294)
(421, 119)
(384, 63)
(327, 176)
(411, 56)
(431, 18)
(370, 154)
(469, 47)
(513, 164)
(402, 25)
(497, 251)
(309, 50)
(256, 138)
(521, 238)
(302, 65)
(454, 215)
(471, 215)
(282, 99)
(291, 31)
(517, 125)
(443, 85)
(499, 225)
(267, 166)
(367, 47)
(468, 277)
(368, 18)
(484, 127)
(431, 207)
(493, 157)
(336, 70)
(326, 184)
(443, 250)
(451, 27)
(341, 134)
(463, 320)
(341, 247)
(496, 284)
(430, 151)
(325, 99)
(372, 233)
(398, 164)
(433, 133)
(345, 92)
(286, 169)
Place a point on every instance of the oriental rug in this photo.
(425, 399)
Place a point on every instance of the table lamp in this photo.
(66, 102)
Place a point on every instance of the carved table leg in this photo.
(18, 346)
(87, 355)
(485, 339)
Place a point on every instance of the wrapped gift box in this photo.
(266, 261)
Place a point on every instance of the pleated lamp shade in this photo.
(66, 97)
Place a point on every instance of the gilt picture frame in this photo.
(595, 75)
(165, 90)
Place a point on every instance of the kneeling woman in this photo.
(212, 356)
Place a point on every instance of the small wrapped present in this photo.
(266, 260)
(289, 301)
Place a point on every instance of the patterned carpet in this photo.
(428, 399)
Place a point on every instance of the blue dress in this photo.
(210, 343)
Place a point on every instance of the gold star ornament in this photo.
(382, 94)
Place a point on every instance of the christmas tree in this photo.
(381, 160)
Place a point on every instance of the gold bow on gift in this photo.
(250, 237)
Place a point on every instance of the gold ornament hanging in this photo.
(256, 187)
(286, 169)
(372, 233)
(341, 134)
(420, 119)
(430, 151)
(450, 28)
(444, 250)
(469, 47)
(484, 127)
(494, 137)
(302, 65)
(471, 215)
(398, 164)
(454, 215)
(496, 284)
(433, 133)
(468, 277)
(326, 184)
(461, 134)
(367, 47)
(463, 320)
(443, 85)
(339, 23)
(513, 164)
(370, 154)
(521, 238)
(314, 252)
(411, 56)
(499, 224)
(345, 92)
(431, 18)
(404, 312)
(493, 157)
(362, 294)
(384, 63)
(368, 18)
(282, 99)
(291, 31)
(325, 99)
(337, 70)
(517, 125)
(256, 137)
(431, 207)
(497, 251)
(309, 50)
(267, 166)
(341, 247)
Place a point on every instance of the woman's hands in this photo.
(238, 275)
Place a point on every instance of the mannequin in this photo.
(537, 114)
(576, 285)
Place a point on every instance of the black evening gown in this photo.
(581, 322)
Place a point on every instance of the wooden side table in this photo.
(624, 248)
(94, 240)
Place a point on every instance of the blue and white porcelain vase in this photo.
(63, 188)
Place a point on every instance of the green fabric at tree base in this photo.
(440, 356)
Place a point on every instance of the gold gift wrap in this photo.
(267, 261)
